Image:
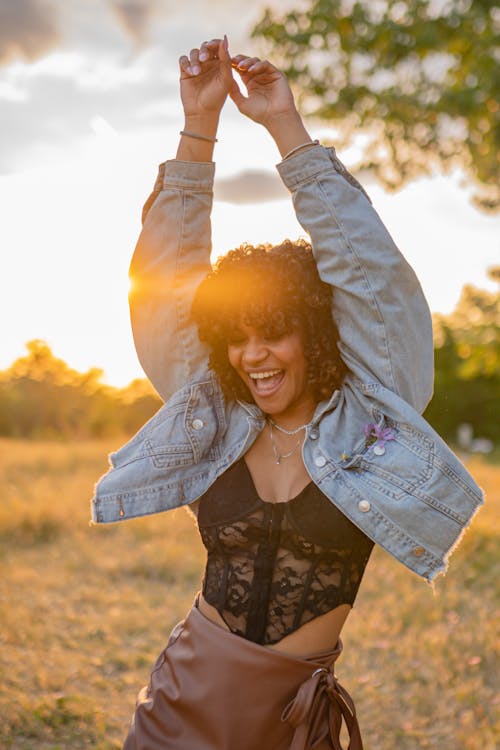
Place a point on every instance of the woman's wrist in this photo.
(192, 148)
(288, 132)
(205, 124)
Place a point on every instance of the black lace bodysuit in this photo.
(272, 567)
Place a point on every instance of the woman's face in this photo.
(275, 372)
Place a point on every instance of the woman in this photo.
(298, 452)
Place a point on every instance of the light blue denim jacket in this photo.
(412, 496)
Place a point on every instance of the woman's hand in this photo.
(269, 101)
(269, 95)
(206, 77)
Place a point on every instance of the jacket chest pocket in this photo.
(189, 431)
(399, 466)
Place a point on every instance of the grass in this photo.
(85, 610)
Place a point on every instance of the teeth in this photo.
(262, 375)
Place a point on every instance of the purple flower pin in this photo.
(378, 437)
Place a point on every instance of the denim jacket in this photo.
(367, 448)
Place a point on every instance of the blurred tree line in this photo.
(41, 396)
(467, 360)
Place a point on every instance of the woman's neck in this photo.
(294, 419)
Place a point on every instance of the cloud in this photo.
(134, 16)
(71, 60)
(250, 186)
(58, 111)
(28, 29)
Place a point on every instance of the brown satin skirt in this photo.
(213, 690)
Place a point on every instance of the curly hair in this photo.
(277, 290)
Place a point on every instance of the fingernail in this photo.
(226, 43)
(203, 56)
(195, 70)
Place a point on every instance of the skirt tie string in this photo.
(317, 711)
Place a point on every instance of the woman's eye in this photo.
(236, 339)
(272, 339)
(272, 336)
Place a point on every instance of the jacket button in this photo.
(418, 551)
(320, 461)
(364, 506)
(314, 434)
(197, 424)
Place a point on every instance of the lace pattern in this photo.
(272, 567)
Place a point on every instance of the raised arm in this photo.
(383, 319)
(172, 255)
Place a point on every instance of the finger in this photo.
(246, 62)
(238, 60)
(223, 51)
(184, 65)
(209, 50)
(259, 67)
(244, 59)
(194, 61)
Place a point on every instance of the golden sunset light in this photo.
(324, 407)
(73, 185)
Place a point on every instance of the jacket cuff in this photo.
(308, 164)
(191, 175)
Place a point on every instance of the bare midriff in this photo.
(316, 636)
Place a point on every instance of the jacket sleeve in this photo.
(383, 319)
(171, 258)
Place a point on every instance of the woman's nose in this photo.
(255, 351)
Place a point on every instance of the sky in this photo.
(89, 107)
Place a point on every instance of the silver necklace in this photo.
(277, 455)
(272, 423)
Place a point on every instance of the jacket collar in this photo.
(325, 406)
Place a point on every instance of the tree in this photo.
(467, 355)
(419, 80)
(475, 325)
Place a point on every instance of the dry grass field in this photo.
(85, 610)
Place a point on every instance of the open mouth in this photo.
(266, 382)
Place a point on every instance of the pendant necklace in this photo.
(277, 455)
